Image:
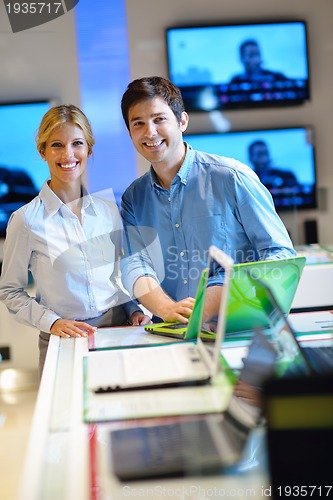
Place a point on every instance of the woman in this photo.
(68, 240)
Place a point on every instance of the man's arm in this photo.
(143, 254)
(152, 296)
(262, 225)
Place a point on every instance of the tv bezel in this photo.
(247, 104)
(310, 128)
(25, 102)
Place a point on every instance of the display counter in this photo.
(315, 289)
(68, 459)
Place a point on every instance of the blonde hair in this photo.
(65, 113)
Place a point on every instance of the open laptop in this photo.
(197, 445)
(187, 331)
(190, 446)
(172, 364)
(244, 311)
(293, 359)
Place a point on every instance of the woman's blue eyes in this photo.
(59, 145)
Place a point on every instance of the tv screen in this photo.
(284, 160)
(22, 171)
(224, 67)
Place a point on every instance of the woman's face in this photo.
(66, 153)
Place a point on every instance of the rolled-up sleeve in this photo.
(263, 226)
(142, 250)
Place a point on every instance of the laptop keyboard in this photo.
(321, 358)
(141, 365)
(147, 365)
(175, 326)
(176, 443)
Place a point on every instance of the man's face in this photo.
(156, 133)
(260, 157)
(251, 58)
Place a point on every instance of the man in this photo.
(250, 56)
(277, 180)
(188, 201)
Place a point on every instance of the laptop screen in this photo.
(211, 326)
(290, 359)
(244, 309)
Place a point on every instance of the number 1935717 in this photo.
(33, 8)
(304, 491)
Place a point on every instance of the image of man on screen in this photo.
(16, 186)
(250, 56)
(274, 178)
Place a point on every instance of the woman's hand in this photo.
(139, 318)
(70, 328)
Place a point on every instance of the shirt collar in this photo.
(53, 204)
(185, 169)
(88, 201)
(182, 173)
(153, 178)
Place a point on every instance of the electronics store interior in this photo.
(116, 118)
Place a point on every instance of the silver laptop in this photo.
(197, 446)
(201, 445)
(174, 364)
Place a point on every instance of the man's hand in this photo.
(152, 296)
(177, 311)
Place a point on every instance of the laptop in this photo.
(190, 446)
(172, 364)
(201, 445)
(244, 312)
(292, 359)
(186, 331)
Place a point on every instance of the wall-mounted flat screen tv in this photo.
(225, 67)
(284, 160)
(22, 171)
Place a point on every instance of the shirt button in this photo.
(169, 199)
(185, 282)
(182, 254)
(177, 225)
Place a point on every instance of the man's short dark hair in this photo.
(254, 144)
(149, 87)
(246, 44)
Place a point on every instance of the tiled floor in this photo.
(16, 411)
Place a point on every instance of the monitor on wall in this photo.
(22, 171)
(284, 160)
(236, 66)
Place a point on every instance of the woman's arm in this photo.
(15, 274)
